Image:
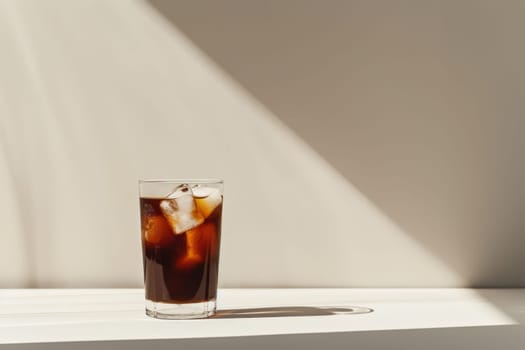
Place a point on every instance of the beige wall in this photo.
(367, 144)
(419, 104)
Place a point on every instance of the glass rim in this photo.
(211, 181)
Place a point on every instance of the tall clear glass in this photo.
(181, 232)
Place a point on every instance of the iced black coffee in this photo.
(180, 245)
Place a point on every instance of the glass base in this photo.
(168, 311)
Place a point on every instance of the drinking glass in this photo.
(181, 231)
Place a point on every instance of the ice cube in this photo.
(188, 262)
(156, 230)
(201, 239)
(207, 199)
(179, 191)
(201, 242)
(180, 210)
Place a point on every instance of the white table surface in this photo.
(418, 318)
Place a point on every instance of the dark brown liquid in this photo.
(179, 268)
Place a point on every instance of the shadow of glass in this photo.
(291, 311)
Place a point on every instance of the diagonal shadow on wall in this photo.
(405, 100)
